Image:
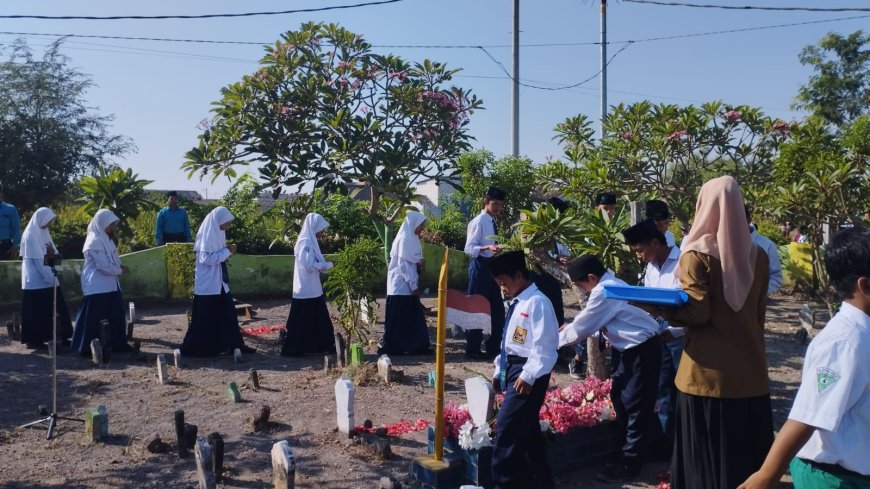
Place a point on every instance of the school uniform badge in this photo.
(519, 335)
(825, 378)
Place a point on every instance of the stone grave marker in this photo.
(328, 363)
(204, 472)
(176, 355)
(432, 378)
(385, 369)
(237, 355)
(480, 397)
(283, 466)
(254, 379)
(340, 351)
(344, 408)
(357, 356)
(162, 370)
(260, 421)
(104, 426)
(217, 455)
(97, 352)
(106, 340)
(179, 433)
(94, 425)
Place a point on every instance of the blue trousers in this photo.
(666, 402)
(519, 456)
(481, 282)
(634, 391)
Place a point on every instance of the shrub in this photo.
(349, 283)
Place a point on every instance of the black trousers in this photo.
(634, 392)
(519, 457)
(5, 248)
(173, 238)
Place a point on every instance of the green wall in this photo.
(154, 278)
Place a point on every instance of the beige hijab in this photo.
(720, 230)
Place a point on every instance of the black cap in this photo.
(559, 204)
(643, 232)
(657, 209)
(172, 193)
(607, 198)
(508, 263)
(496, 193)
(580, 268)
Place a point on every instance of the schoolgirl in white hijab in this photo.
(100, 287)
(37, 284)
(214, 327)
(309, 327)
(405, 329)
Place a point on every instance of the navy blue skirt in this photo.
(36, 320)
(309, 328)
(214, 326)
(93, 309)
(405, 329)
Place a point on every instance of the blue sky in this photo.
(159, 91)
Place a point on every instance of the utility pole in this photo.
(603, 65)
(515, 87)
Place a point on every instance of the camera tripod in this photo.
(51, 420)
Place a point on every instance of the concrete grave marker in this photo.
(385, 369)
(204, 472)
(254, 380)
(217, 455)
(357, 356)
(328, 363)
(432, 378)
(176, 355)
(179, 434)
(283, 466)
(132, 308)
(260, 421)
(344, 408)
(96, 352)
(162, 371)
(94, 425)
(340, 351)
(237, 355)
(233, 393)
(106, 340)
(480, 397)
(104, 426)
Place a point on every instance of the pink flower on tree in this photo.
(677, 135)
(781, 127)
(627, 134)
(732, 116)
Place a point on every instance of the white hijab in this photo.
(407, 244)
(210, 237)
(36, 234)
(314, 223)
(97, 238)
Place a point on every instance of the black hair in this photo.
(580, 268)
(847, 258)
(172, 193)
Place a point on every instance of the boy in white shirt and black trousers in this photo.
(825, 440)
(481, 249)
(522, 371)
(635, 335)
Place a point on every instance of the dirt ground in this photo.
(298, 391)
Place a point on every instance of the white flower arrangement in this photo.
(473, 437)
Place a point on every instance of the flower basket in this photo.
(577, 449)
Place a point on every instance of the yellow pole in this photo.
(439, 360)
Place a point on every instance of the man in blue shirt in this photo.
(10, 229)
(173, 226)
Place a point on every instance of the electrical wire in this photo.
(750, 7)
(201, 16)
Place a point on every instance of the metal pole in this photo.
(440, 344)
(515, 87)
(603, 64)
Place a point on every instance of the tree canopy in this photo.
(48, 135)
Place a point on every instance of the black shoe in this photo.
(618, 474)
(247, 349)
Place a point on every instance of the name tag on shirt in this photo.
(519, 336)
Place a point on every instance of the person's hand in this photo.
(564, 260)
(232, 248)
(759, 480)
(125, 269)
(522, 387)
(667, 336)
(496, 385)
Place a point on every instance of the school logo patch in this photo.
(825, 378)
(519, 336)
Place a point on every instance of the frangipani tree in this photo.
(325, 110)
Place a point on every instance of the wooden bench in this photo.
(246, 309)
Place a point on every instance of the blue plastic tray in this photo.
(647, 295)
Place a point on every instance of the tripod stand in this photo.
(53, 417)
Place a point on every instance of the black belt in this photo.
(516, 360)
(835, 469)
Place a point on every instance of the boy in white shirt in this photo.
(826, 436)
(635, 335)
(522, 371)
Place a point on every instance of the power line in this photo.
(565, 87)
(201, 16)
(446, 46)
(751, 7)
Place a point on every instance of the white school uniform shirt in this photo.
(666, 277)
(623, 325)
(211, 251)
(34, 275)
(769, 247)
(102, 263)
(834, 395)
(532, 333)
(405, 253)
(478, 229)
(309, 261)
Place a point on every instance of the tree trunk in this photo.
(595, 364)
